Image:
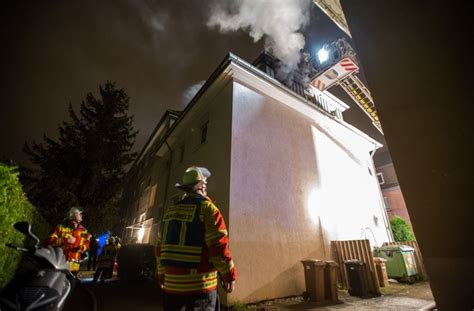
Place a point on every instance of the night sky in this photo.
(54, 52)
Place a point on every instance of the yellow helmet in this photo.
(194, 177)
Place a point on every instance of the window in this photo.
(204, 129)
(380, 178)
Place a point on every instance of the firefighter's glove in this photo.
(229, 287)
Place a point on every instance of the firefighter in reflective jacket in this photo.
(72, 237)
(193, 248)
(106, 261)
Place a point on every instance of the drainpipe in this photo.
(159, 215)
(165, 195)
(381, 202)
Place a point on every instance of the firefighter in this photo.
(72, 237)
(114, 265)
(193, 248)
(93, 250)
(106, 261)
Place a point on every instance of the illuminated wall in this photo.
(299, 179)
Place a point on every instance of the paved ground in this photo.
(395, 297)
(114, 295)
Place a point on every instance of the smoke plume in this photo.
(189, 93)
(277, 21)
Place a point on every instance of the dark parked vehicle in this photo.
(44, 284)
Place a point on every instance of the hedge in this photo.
(14, 207)
(401, 230)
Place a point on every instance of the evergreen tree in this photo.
(86, 165)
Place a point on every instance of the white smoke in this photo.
(151, 14)
(189, 93)
(279, 21)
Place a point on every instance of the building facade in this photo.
(288, 174)
(391, 191)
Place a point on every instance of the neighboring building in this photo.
(288, 174)
(392, 194)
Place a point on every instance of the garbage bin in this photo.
(356, 273)
(401, 264)
(331, 280)
(381, 269)
(314, 279)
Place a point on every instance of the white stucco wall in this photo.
(298, 180)
(213, 108)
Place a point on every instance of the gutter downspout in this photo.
(165, 195)
(381, 201)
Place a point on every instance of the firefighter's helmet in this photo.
(194, 177)
(73, 211)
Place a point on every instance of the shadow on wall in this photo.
(294, 274)
(337, 141)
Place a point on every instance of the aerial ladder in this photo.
(337, 64)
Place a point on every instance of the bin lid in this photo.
(353, 262)
(313, 262)
(331, 263)
(401, 248)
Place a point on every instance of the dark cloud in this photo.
(54, 52)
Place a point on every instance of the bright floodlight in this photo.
(323, 55)
(141, 233)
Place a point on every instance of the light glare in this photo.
(323, 55)
(140, 234)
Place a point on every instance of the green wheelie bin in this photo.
(401, 264)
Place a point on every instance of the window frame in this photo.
(379, 176)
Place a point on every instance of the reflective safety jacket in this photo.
(107, 257)
(193, 247)
(72, 251)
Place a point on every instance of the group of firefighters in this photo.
(77, 244)
(192, 252)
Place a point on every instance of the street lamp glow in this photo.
(323, 55)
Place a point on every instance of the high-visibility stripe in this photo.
(180, 257)
(187, 278)
(74, 266)
(190, 287)
(215, 236)
(223, 266)
(182, 248)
